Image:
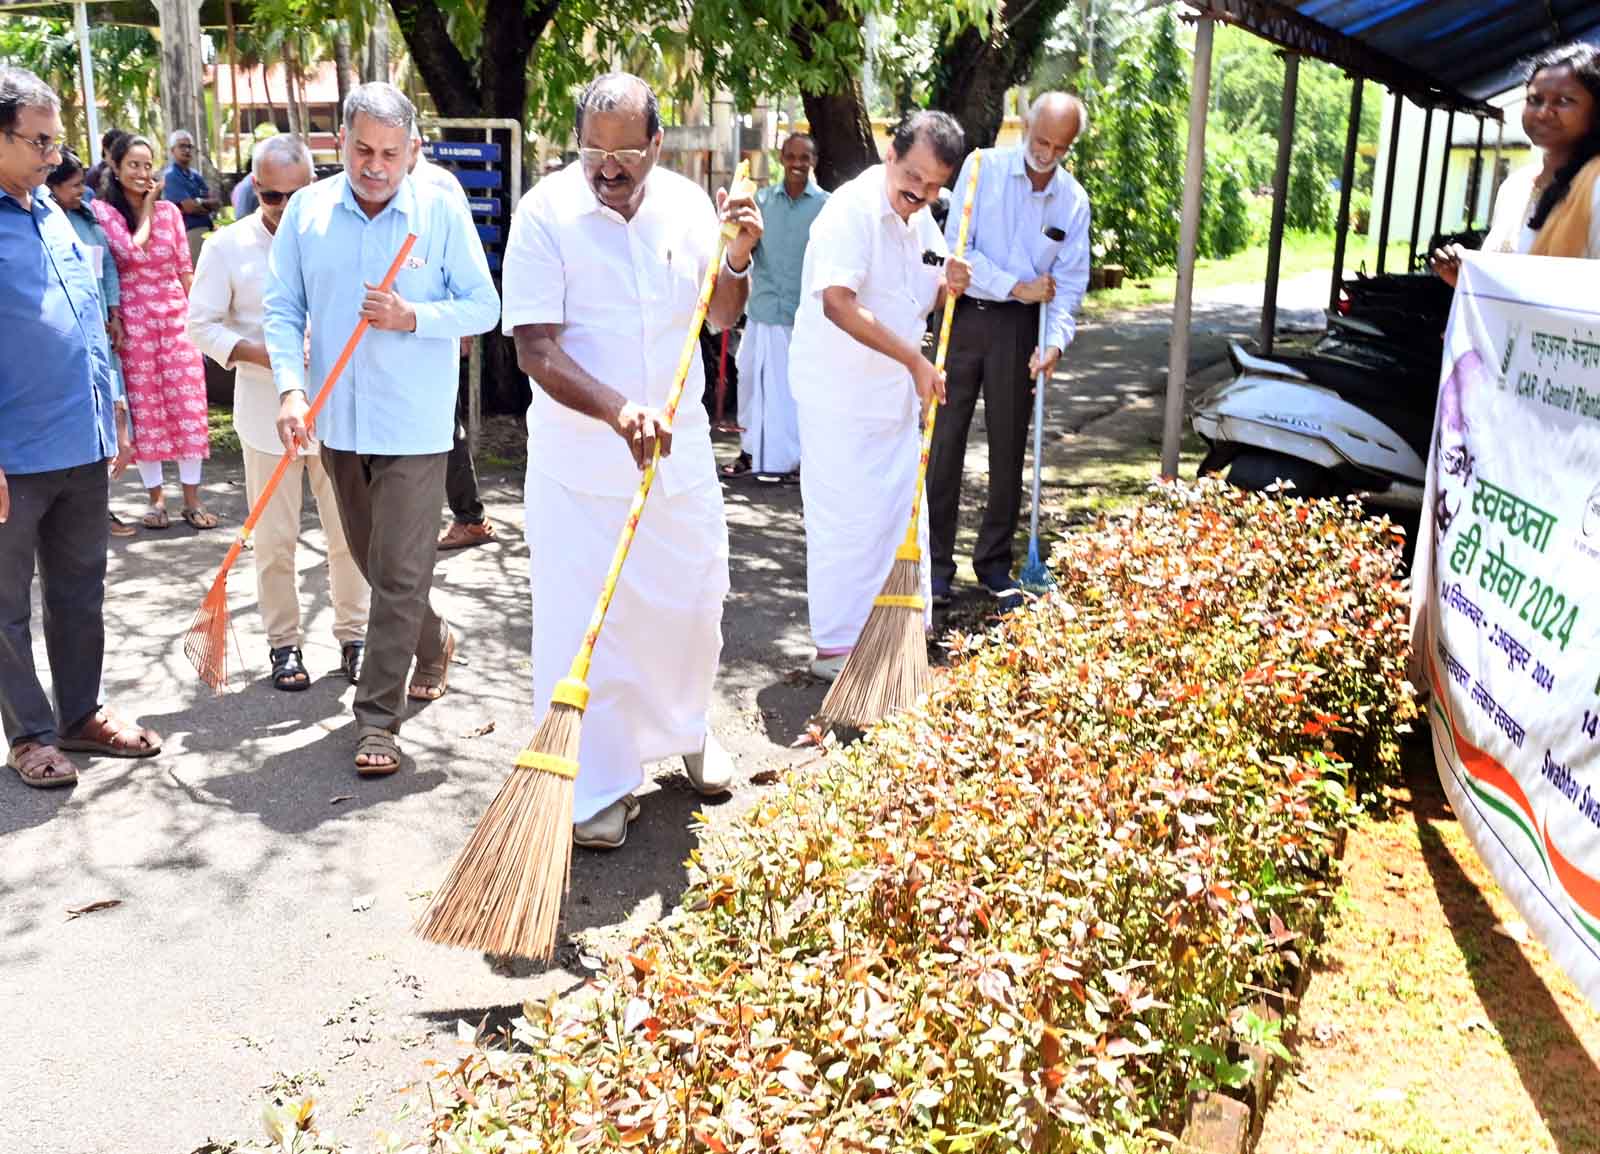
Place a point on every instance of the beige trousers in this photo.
(276, 536)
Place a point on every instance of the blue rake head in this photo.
(1035, 578)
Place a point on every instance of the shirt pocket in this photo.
(421, 278)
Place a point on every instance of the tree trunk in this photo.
(838, 119)
(973, 72)
(344, 71)
(839, 125)
(286, 54)
(375, 65)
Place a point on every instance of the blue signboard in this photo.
(477, 178)
(494, 260)
(489, 233)
(481, 152)
(484, 205)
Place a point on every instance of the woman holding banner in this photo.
(1553, 208)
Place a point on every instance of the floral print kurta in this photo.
(165, 377)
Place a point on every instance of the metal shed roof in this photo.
(1441, 53)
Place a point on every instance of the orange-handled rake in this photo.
(207, 642)
(503, 894)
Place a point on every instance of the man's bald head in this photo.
(1055, 121)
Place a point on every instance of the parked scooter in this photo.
(1355, 416)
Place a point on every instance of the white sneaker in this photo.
(829, 668)
(607, 829)
(711, 770)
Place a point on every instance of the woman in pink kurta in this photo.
(164, 373)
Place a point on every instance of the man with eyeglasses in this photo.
(226, 305)
(57, 435)
(185, 187)
(603, 269)
(386, 428)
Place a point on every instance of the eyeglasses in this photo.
(272, 196)
(43, 145)
(626, 157)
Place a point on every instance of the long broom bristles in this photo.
(499, 896)
(888, 669)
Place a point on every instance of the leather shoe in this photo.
(607, 829)
(711, 770)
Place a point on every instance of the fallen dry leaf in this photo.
(482, 731)
(341, 797)
(93, 907)
(765, 777)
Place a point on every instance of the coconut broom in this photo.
(206, 645)
(888, 668)
(503, 894)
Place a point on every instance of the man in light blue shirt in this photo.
(1029, 250)
(386, 428)
(771, 441)
(56, 440)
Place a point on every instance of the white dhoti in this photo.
(766, 406)
(650, 682)
(856, 486)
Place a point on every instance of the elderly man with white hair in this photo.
(386, 428)
(183, 185)
(226, 306)
(1029, 249)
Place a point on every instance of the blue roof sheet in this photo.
(1475, 47)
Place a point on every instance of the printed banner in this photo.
(1507, 589)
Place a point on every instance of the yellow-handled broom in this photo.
(888, 668)
(503, 894)
(207, 642)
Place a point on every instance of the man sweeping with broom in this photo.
(876, 267)
(603, 269)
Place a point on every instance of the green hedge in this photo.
(1029, 915)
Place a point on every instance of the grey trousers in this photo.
(59, 519)
(989, 349)
(390, 510)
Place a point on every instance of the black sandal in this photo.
(352, 658)
(289, 669)
(742, 464)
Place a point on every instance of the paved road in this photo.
(263, 937)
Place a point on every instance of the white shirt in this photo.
(226, 307)
(1509, 231)
(624, 292)
(1006, 242)
(860, 243)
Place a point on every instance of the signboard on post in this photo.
(492, 177)
(1507, 564)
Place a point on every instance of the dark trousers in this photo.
(390, 509)
(461, 473)
(989, 350)
(61, 520)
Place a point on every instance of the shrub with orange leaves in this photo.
(1028, 914)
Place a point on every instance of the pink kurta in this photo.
(165, 376)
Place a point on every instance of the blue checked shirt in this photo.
(55, 381)
(397, 397)
(1007, 243)
(179, 184)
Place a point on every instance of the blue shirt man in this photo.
(1028, 246)
(770, 444)
(389, 419)
(184, 186)
(56, 395)
(787, 219)
(56, 434)
(398, 394)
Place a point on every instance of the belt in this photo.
(984, 306)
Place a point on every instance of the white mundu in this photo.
(860, 436)
(625, 291)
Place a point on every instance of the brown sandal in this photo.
(110, 736)
(41, 766)
(375, 743)
(429, 682)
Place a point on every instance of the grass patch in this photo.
(1303, 252)
(224, 437)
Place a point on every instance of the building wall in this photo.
(1515, 151)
